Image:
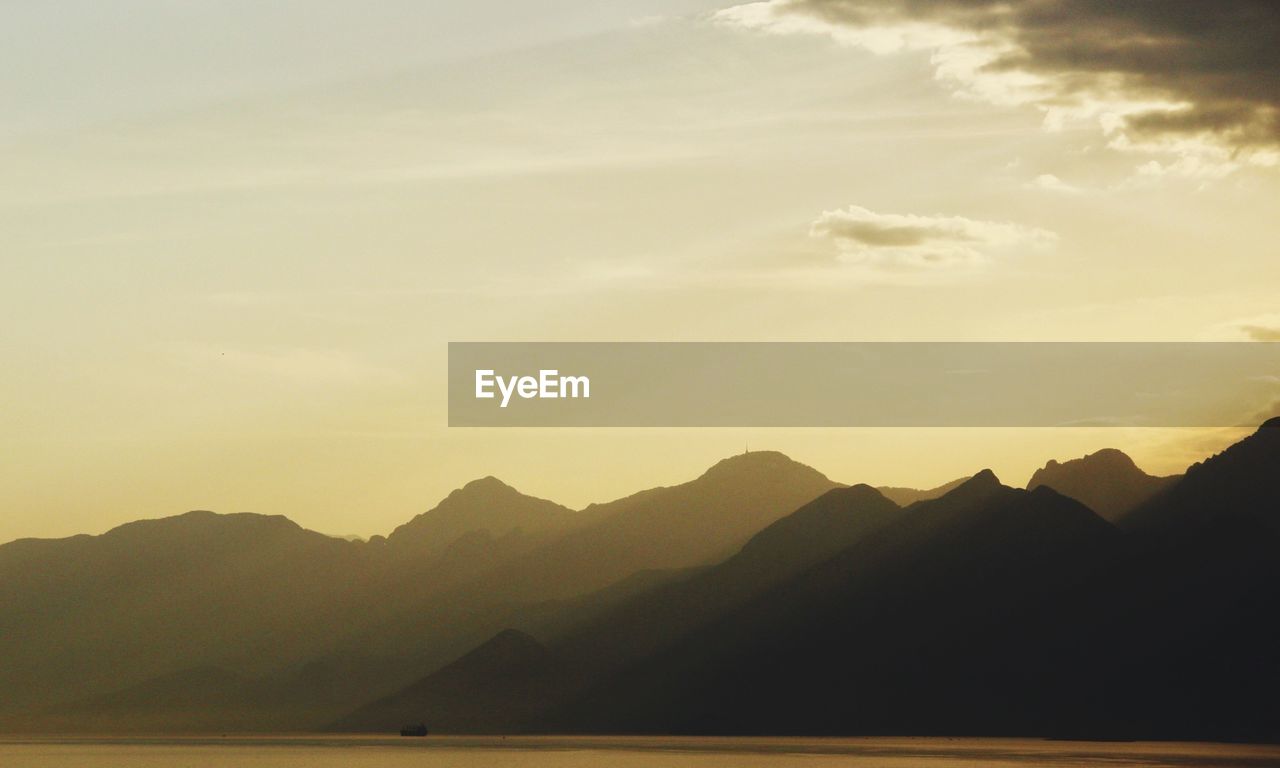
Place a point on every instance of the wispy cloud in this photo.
(1051, 183)
(897, 240)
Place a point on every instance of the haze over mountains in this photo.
(760, 597)
(905, 496)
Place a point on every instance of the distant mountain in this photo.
(482, 584)
(759, 598)
(91, 614)
(89, 619)
(496, 688)
(440, 568)
(319, 624)
(906, 496)
(482, 506)
(696, 523)
(1108, 482)
(609, 636)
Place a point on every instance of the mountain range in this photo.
(758, 598)
(1108, 482)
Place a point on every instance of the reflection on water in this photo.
(575, 752)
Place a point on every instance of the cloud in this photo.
(1256, 328)
(1194, 81)
(1051, 183)
(896, 240)
(1262, 329)
(1262, 332)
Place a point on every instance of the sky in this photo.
(235, 237)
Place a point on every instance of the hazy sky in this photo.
(235, 236)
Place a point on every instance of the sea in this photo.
(287, 751)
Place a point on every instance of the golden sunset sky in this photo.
(236, 236)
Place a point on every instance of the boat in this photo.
(414, 730)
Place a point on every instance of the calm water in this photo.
(613, 753)
(560, 752)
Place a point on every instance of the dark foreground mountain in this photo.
(1108, 482)
(988, 611)
(994, 611)
(912, 628)
(1241, 483)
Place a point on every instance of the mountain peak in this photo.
(486, 504)
(200, 522)
(483, 488)
(1238, 484)
(982, 485)
(983, 479)
(753, 462)
(823, 526)
(755, 457)
(1111, 456)
(863, 492)
(1107, 481)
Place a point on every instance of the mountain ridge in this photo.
(759, 597)
(1107, 481)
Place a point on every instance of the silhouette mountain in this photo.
(990, 610)
(1108, 482)
(90, 614)
(817, 530)
(758, 598)
(997, 611)
(487, 505)
(620, 632)
(907, 496)
(696, 523)
(448, 604)
(320, 624)
(1241, 482)
(880, 638)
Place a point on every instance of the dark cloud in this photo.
(1221, 58)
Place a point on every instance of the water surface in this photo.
(614, 752)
